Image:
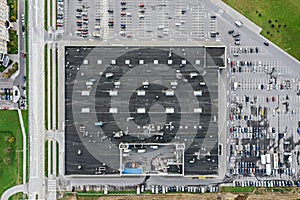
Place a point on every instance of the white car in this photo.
(238, 23)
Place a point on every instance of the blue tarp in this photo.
(298, 130)
(132, 171)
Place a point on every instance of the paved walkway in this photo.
(13, 190)
(24, 145)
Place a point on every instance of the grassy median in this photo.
(279, 20)
(51, 88)
(11, 145)
(56, 67)
(46, 85)
(45, 15)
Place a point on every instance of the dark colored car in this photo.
(230, 31)
(236, 34)
(266, 43)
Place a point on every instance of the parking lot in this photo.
(136, 95)
(263, 118)
(130, 20)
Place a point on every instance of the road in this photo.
(36, 103)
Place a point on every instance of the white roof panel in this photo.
(169, 110)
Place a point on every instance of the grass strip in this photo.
(51, 87)
(237, 189)
(46, 158)
(25, 120)
(51, 12)
(56, 88)
(51, 157)
(46, 86)
(45, 15)
(57, 158)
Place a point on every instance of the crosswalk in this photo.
(51, 185)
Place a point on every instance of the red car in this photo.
(231, 117)
(142, 5)
(232, 63)
(5, 108)
(273, 99)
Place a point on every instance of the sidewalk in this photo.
(24, 145)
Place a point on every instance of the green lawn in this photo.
(237, 189)
(279, 20)
(10, 151)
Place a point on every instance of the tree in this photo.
(259, 15)
(13, 18)
(279, 25)
(270, 21)
(272, 25)
(268, 32)
(11, 139)
(11, 31)
(12, 43)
